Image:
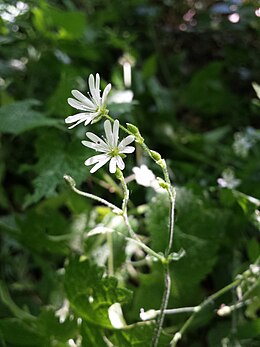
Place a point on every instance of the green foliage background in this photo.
(194, 103)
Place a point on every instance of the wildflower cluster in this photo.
(113, 151)
(94, 108)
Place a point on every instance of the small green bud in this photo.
(135, 131)
(69, 180)
(118, 174)
(162, 183)
(155, 155)
(162, 163)
(177, 256)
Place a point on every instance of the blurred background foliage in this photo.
(194, 95)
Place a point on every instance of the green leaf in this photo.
(206, 92)
(7, 300)
(17, 333)
(3, 197)
(58, 101)
(163, 97)
(49, 326)
(250, 329)
(199, 228)
(139, 335)
(20, 116)
(90, 293)
(92, 336)
(54, 22)
(149, 67)
(44, 231)
(56, 156)
(218, 333)
(136, 335)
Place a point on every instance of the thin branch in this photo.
(72, 185)
(210, 299)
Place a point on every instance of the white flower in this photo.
(147, 315)
(228, 179)
(93, 106)
(113, 151)
(146, 178)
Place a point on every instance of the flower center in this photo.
(114, 152)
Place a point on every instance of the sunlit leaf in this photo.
(90, 293)
(20, 116)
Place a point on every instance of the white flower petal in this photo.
(108, 131)
(115, 132)
(88, 120)
(125, 142)
(105, 93)
(78, 95)
(94, 93)
(112, 165)
(99, 164)
(74, 125)
(120, 162)
(96, 158)
(128, 149)
(75, 118)
(97, 81)
(95, 146)
(96, 139)
(79, 106)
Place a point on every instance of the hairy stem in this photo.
(133, 235)
(111, 254)
(72, 185)
(164, 304)
(167, 277)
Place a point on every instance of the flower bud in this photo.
(135, 131)
(224, 310)
(155, 155)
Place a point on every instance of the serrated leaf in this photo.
(90, 293)
(44, 231)
(57, 156)
(138, 335)
(20, 116)
(198, 230)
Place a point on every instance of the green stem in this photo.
(72, 185)
(111, 254)
(167, 277)
(147, 249)
(133, 235)
(164, 304)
